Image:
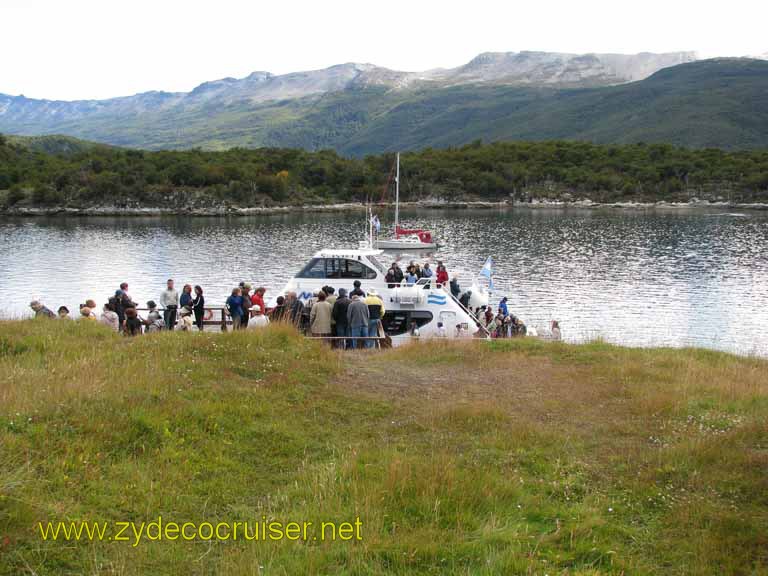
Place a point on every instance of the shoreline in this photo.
(227, 211)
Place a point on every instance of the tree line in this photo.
(97, 175)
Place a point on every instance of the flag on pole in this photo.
(376, 223)
(487, 269)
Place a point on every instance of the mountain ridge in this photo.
(635, 66)
(361, 108)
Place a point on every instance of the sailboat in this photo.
(405, 239)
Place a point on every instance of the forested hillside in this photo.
(84, 175)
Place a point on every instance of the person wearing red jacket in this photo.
(442, 274)
(258, 299)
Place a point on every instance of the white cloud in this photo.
(99, 49)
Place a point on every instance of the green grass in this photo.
(518, 457)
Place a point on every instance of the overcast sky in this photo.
(71, 49)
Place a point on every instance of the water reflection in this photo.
(640, 278)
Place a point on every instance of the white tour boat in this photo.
(422, 305)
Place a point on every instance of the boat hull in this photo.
(404, 245)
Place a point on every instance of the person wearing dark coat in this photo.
(398, 273)
(391, 277)
(357, 291)
(339, 315)
(198, 307)
(117, 305)
(455, 288)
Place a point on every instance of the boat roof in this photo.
(347, 253)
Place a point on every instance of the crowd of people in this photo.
(185, 310)
(348, 320)
(350, 317)
(414, 271)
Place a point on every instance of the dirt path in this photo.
(531, 388)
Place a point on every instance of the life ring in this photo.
(208, 314)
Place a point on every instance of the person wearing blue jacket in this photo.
(234, 306)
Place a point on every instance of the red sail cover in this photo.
(424, 235)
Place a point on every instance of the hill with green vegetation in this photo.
(359, 109)
(504, 457)
(55, 144)
(90, 176)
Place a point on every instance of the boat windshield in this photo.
(377, 264)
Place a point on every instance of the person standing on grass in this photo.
(375, 314)
(116, 302)
(169, 300)
(245, 291)
(330, 293)
(133, 323)
(295, 309)
(500, 324)
(488, 315)
(186, 296)
(556, 334)
(357, 290)
(320, 316)
(234, 306)
(258, 299)
(109, 317)
(339, 314)
(153, 322)
(125, 299)
(277, 314)
(358, 319)
(198, 307)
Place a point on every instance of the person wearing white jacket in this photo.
(169, 300)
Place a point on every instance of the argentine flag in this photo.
(376, 223)
(487, 269)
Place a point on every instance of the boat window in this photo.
(336, 268)
(314, 269)
(398, 322)
(377, 264)
(355, 269)
(333, 268)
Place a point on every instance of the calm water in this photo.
(637, 278)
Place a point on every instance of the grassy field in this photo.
(513, 457)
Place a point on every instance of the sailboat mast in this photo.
(397, 195)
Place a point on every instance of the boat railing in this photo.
(210, 312)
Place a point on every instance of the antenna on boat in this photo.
(397, 196)
(369, 214)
